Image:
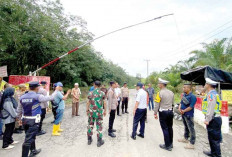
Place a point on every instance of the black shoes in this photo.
(111, 134)
(123, 112)
(34, 152)
(133, 137)
(127, 112)
(165, 148)
(140, 135)
(41, 133)
(207, 153)
(90, 140)
(100, 142)
(52, 122)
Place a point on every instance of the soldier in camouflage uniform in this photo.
(95, 112)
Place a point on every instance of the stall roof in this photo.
(199, 74)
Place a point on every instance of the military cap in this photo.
(163, 81)
(43, 82)
(34, 84)
(211, 82)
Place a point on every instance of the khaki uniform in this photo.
(75, 102)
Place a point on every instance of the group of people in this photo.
(163, 110)
(28, 109)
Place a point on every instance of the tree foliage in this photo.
(33, 32)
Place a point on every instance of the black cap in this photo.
(43, 82)
(139, 84)
(112, 82)
(34, 84)
(124, 83)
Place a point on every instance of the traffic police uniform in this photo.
(30, 110)
(164, 105)
(211, 107)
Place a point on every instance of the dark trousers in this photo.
(125, 103)
(43, 113)
(31, 129)
(189, 130)
(7, 136)
(140, 116)
(118, 107)
(54, 111)
(166, 123)
(111, 120)
(214, 136)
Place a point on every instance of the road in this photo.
(73, 141)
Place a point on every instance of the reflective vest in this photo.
(2, 84)
(218, 105)
(30, 103)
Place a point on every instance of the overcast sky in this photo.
(159, 41)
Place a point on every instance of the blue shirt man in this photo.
(186, 108)
(151, 92)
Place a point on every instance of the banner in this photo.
(3, 71)
(227, 96)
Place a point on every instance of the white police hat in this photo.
(211, 82)
(163, 81)
(76, 84)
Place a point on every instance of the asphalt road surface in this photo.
(73, 141)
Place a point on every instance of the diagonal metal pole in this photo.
(88, 42)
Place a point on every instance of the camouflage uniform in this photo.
(96, 99)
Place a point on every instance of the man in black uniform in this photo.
(30, 110)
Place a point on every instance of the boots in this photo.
(127, 112)
(123, 112)
(90, 140)
(59, 129)
(55, 130)
(25, 151)
(100, 142)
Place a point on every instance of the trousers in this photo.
(140, 117)
(59, 116)
(118, 107)
(214, 136)
(54, 111)
(75, 108)
(7, 136)
(151, 104)
(111, 120)
(43, 113)
(95, 116)
(125, 103)
(31, 129)
(166, 123)
(189, 130)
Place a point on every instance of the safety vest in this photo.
(218, 105)
(2, 84)
(30, 103)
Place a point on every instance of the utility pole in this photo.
(147, 66)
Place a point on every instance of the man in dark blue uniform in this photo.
(30, 110)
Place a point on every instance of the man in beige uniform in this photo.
(125, 97)
(163, 104)
(76, 92)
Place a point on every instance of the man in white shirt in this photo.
(118, 94)
(140, 111)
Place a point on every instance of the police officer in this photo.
(30, 110)
(163, 104)
(44, 106)
(211, 107)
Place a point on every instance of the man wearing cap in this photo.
(211, 107)
(59, 100)
(112, 104)
(140, 111)
(163, 104)
(76, 92)
(44, 105)
(186, 108)
(30, 110)
(125, 98)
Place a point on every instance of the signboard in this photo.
(227, 96)
(15, 80)
(3, 71)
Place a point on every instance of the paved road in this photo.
(73, 142)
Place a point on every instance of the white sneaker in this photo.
(15, 142)
(183, 140)
(189, 146)
(9, 147)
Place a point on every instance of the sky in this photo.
(164, 42)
